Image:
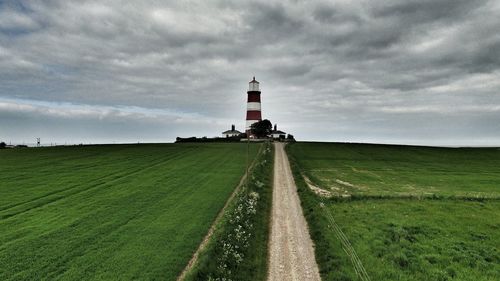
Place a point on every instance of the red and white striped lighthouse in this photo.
(253, 105)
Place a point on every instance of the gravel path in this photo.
(291, 249)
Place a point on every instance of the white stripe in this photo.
(253, 105)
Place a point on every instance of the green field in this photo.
(118, 212)
(421, 239)
(363, 169)
(379, 227)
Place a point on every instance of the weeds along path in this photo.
(208, 236)
(291, 253)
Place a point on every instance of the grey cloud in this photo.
(340, 64)
(427, 11)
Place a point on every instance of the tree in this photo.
(2, 145)
(262, 128)
(290, 138)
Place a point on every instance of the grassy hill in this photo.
(401, 212)
(106, 212)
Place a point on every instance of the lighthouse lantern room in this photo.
(254, 114)
(253, 85)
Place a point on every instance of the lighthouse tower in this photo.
(253, 105)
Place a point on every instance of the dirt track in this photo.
(291, 249)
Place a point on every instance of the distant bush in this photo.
(2, 145)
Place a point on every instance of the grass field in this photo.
(421, 239)
(363, 169)
(381, 233)
(118, 212)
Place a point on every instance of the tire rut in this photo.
(74, 190)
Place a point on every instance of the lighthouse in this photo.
(253, 105)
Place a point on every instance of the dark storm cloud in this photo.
(343, 70)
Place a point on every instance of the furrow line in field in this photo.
(348, 248)
(92, 243)
(351, 252)
(86, 167)
(50, 161)
(5, 208)
(58, 195)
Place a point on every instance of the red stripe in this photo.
(254, 115)
(253, 96)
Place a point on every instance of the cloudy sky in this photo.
(413, 72)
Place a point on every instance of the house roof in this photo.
(277, 132)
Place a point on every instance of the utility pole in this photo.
(248, 157)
